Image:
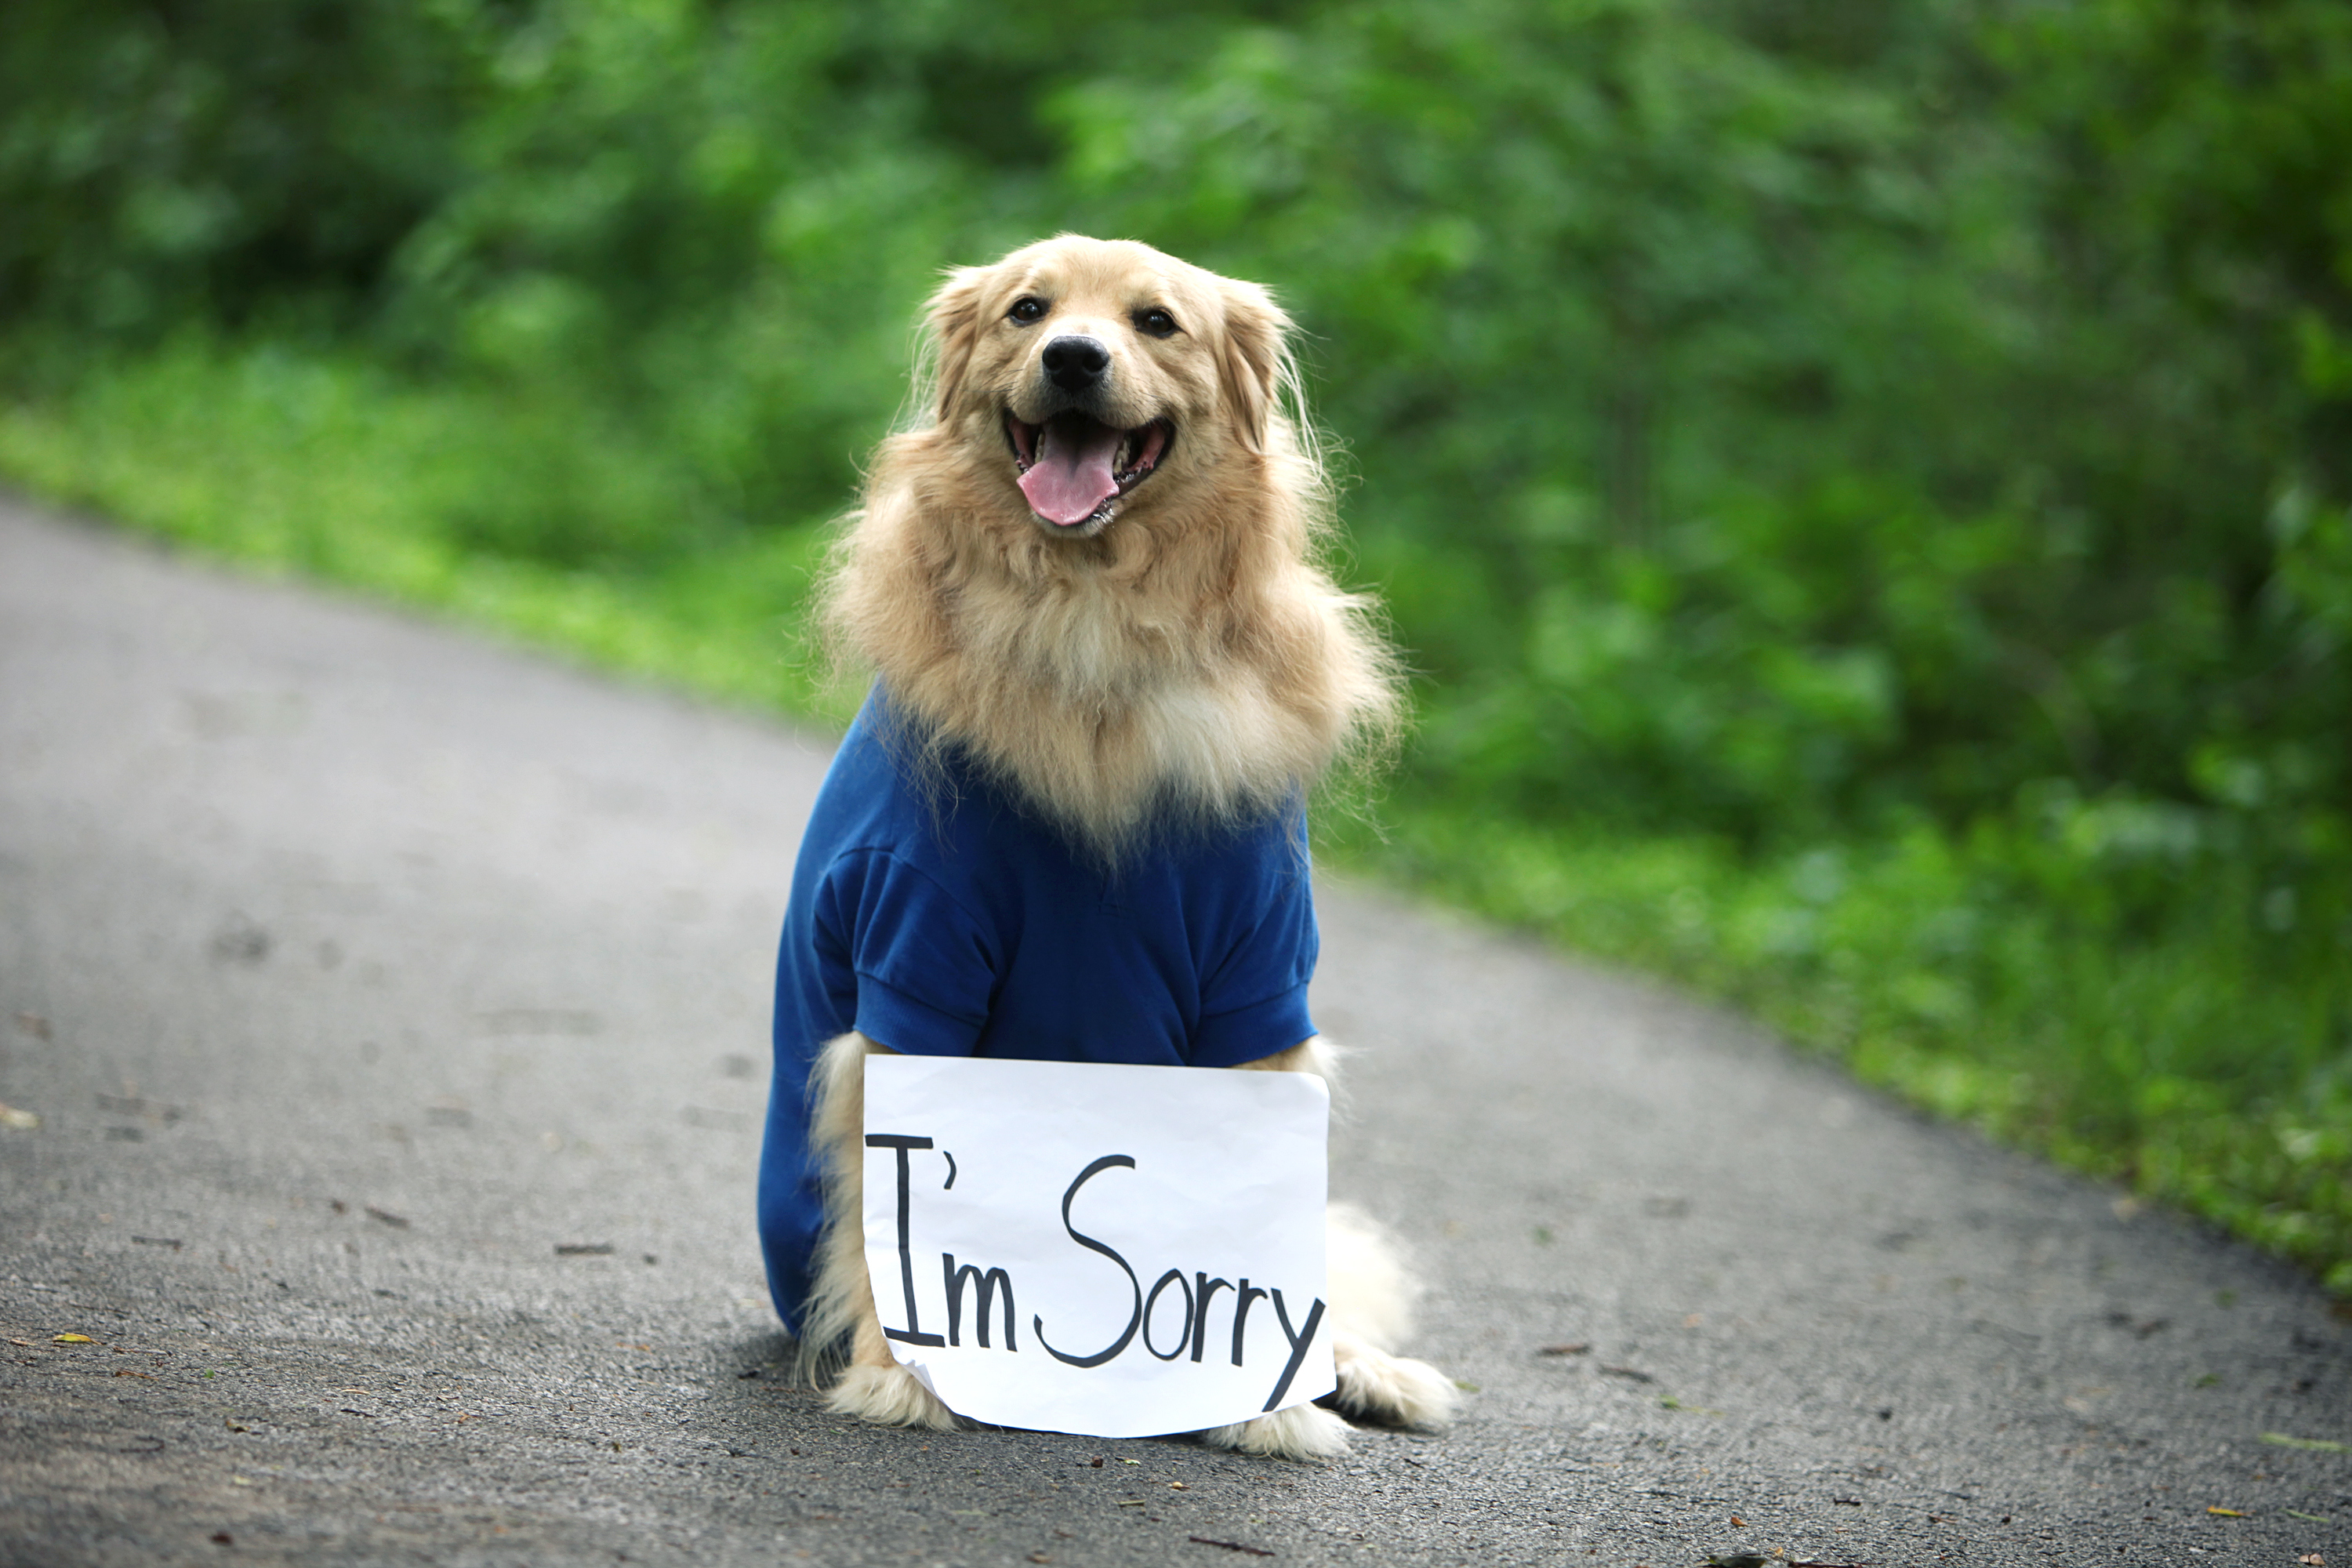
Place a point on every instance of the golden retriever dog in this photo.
(1109, 667)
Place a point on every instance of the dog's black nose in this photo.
(1076, 364)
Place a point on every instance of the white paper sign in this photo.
(1114, 1251)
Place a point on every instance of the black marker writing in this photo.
(1184, 1332)
(1241, 1300)
(1204, 1288)
(1037, 1325)
(985, 1286)
(912, 1333)
(1298, 1344)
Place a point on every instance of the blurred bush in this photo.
(1866, 484)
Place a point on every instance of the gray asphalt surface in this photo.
(356, 969)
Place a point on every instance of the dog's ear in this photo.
(1257, 363)
(952, 326)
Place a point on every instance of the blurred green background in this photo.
(1863, 483)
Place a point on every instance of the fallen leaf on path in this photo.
(2225, 1512)
(1465, 1386)
(223, 1538)
(132, 1371)
(1229, 1545)
(1738, 1522)
(1130, 1502)
(233, 1425)
(1636, 1373)
(2312, 1560)
(132, 1105)
(2314, 1518)
(583, 1249)
(1177, 1486)
(174, 1242)
(397, 1222)
(1738, 1560)
(2317, 1445)
(1579, 1348)
(240, 940)
(73, 1339)
(22, 1120)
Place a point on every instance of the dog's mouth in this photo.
(1075, 469)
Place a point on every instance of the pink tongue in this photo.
(1072, 474)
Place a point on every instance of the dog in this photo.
(1069, 821)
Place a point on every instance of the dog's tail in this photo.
(840, 1296)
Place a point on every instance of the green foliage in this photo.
(329, 467)
(157, 160)
(1869, 488)
(1990, 979)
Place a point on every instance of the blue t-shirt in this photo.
(949, 921)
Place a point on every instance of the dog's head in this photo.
(1091, 570)
(1095, 366)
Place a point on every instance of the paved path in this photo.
(356, 969)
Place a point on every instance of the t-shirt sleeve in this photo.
(924, 967)
(1255, 1002)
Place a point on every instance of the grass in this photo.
(2004, 978)
(2177, 1063)
(330, 469)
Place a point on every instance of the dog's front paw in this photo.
(890, 1396)
(1396, 1390)
(1301, 1432)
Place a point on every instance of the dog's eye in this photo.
(1027, 308)
(1157, 323)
